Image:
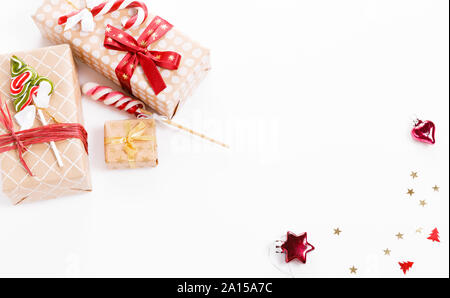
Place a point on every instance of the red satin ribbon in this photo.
(43, 134)
(116, 39)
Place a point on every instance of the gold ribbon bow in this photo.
(134, 135)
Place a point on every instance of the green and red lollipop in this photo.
(29, 90)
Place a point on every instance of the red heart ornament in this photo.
(424, 131)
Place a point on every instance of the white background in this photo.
(316, 99)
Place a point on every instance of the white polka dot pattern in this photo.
(195, 62)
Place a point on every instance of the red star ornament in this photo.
(296, 247)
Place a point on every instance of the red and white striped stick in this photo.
(108, 7)
(132, 106)
(112, 98)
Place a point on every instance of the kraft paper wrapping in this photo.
(88, 47)
(117, 158)
(49, 180)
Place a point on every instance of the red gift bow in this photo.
(43, 134)
(116, 39)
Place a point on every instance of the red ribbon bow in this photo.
(43, 134)
(116, 39)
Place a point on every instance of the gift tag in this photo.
(84, 17)
(25, 118)
(42, 98)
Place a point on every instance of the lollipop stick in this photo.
(52, 144)
(181, 127)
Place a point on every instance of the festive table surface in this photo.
(317, 101)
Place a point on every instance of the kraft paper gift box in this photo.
(194, 65)
(130, 144)
(49, 180)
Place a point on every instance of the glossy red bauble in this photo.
(424, 131)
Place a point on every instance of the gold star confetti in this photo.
(436, 188)
(410, 192)
(414, 175)
(387, 252)
(353, 270)
(423, 203)
(337, 231)
(399, 236)
(419, 230)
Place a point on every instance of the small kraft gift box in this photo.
(137, 50)
(43, 145)
(130, 144)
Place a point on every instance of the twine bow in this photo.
(137, 53)
(135, 134)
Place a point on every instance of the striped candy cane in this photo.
(110, 6)
(112, 98)
(124, 103)
(86, 16)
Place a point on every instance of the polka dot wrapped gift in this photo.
(179, 81)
